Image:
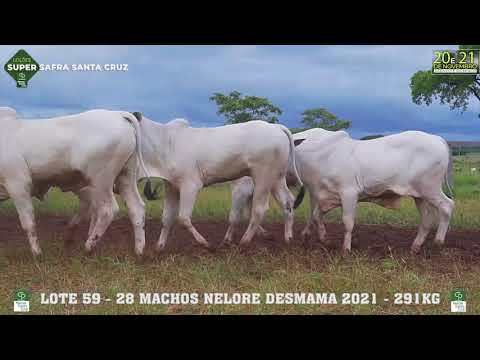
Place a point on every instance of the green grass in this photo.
(294, 270)
(230, 271)
(214, 203)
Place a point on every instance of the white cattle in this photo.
(340, 171)
(191, 158)
(85, 153)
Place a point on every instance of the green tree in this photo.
(237, 108)
(322, 118)
(454, 90)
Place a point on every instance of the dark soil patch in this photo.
(374, 240)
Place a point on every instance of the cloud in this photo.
(368, 85)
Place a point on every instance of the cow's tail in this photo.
(448, 178)
(301, 194)
(134, 119)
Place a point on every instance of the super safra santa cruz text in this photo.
(67, 67)
(293, 298)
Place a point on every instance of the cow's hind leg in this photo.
(82, 215)
(426, 221)
(259, 207)
(307, 231)
(318, 216)
(240, 202)
(169, 216)
(285, 200)
(349, 205)
(247, 212)
(20, 194)
(241, 211)
(127, 186)
(188, 195)
(104, 207)
(445, 208)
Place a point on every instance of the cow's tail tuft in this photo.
(147, 191)
(299, 197)
(134, 119)
(301, 194)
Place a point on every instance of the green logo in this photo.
(21, 67)
(458, 295)
(22, 295)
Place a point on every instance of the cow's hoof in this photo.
(68, 245)
(438, 244)
(139, 252)
(225, 244)
(355, 242)
(307, 243)
(289, 241)
(289, 245)
(306, 236)
(346, 252)
(267, 236)
(92, 249)
(244, 247)
(140, 259)
(159, 248)
(415, 250)
(326, 242)
(211, 248)
(37, 255)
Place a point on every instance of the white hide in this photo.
(84, 153)
(340, 171)
(191, 158)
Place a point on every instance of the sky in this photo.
(368, 85)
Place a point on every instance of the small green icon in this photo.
(21, 67)
(22, 295)
(458, 295)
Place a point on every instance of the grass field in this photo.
(214, 202)
(263, 271)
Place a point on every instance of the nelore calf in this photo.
(340, 171)
(190, 158)
(84, 153)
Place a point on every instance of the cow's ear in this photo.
(137, 115)
(298, 141)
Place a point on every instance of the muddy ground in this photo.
(374, 240)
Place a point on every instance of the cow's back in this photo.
(67, 147)
(228, 152)
(397, 162)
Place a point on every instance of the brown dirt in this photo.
(374, 240)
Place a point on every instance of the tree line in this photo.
(237, 108)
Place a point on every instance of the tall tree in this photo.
(237, 108)
(455, 90)
(322, 118)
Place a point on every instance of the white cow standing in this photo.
(191, 158)
(85, 153)
(340, 171)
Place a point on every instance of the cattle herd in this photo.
(95, 152)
